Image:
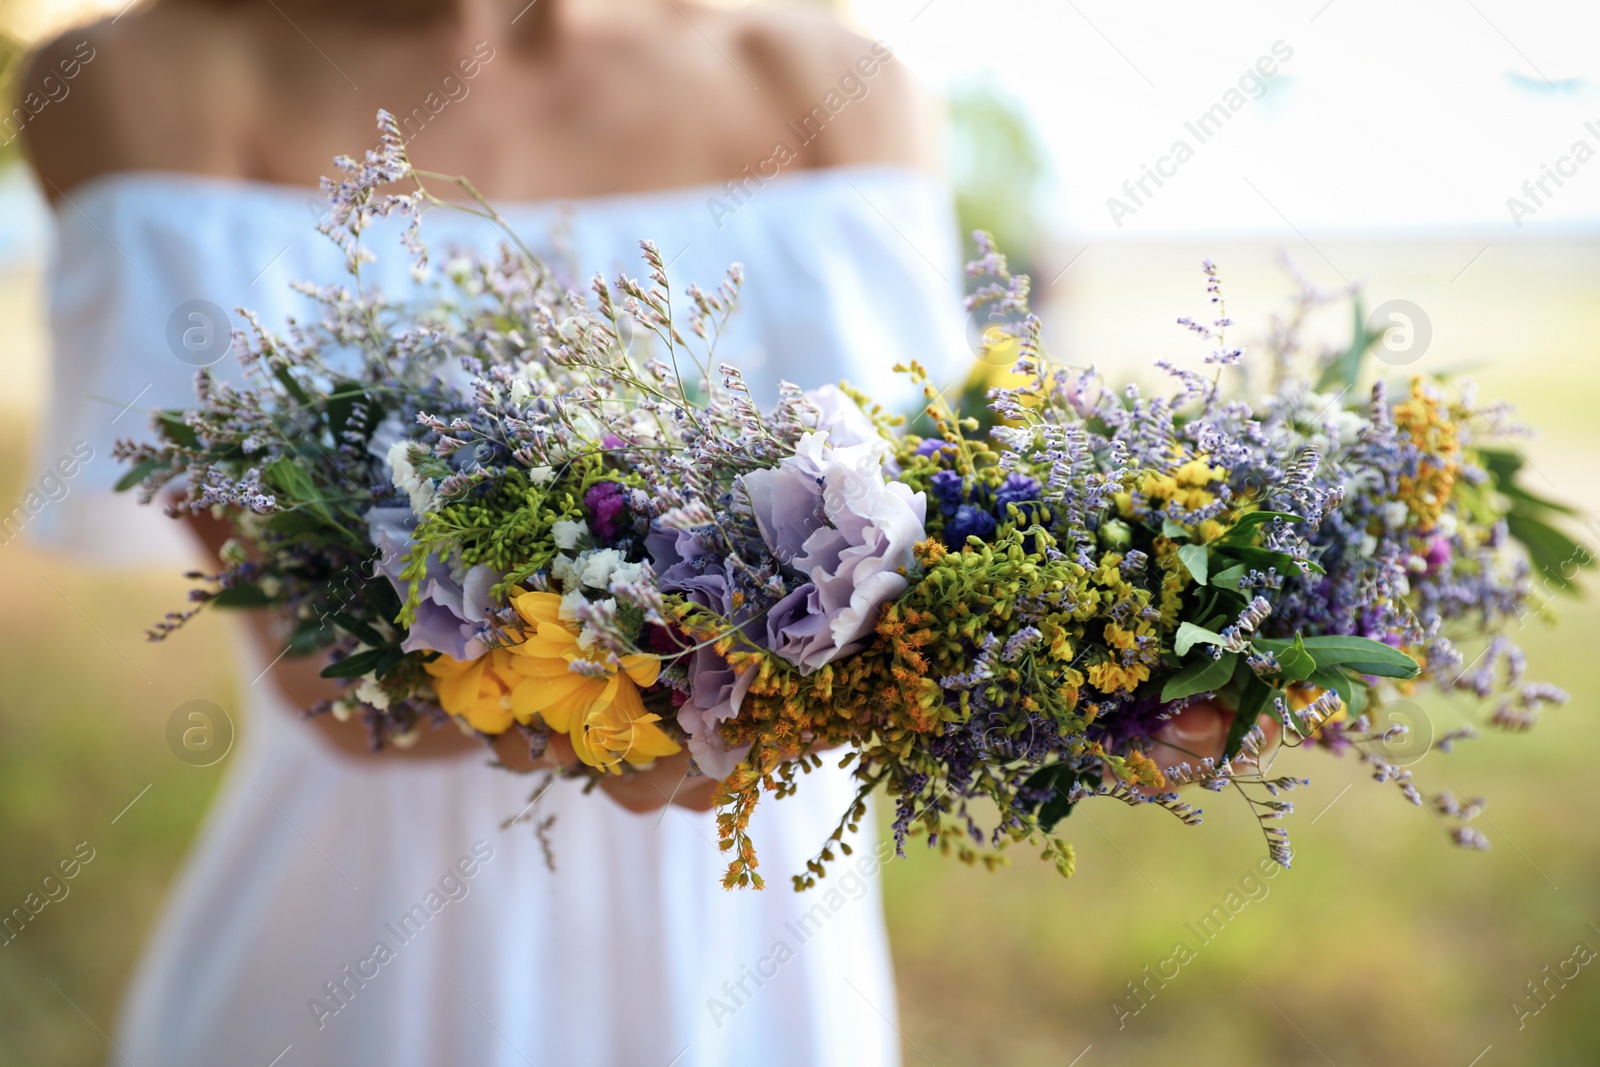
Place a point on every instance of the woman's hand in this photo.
(1199, 731)
(666, 781)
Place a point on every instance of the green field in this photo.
(1384, 944)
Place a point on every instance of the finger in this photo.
(559, 751)
(512, 749)
(1200, 732)
(1197, 732)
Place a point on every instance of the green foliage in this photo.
(1359, 654)
(997, 165)
(1556, 557)
(504, 524)
(1343, 372)
(1205, 675)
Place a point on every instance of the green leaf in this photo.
(1189, 635)
(1059, 778)
(1343, 372)
(1358, 696)
(341, 404)
(138, 473)
(1295, 664)
(1358, 654)
(1176, 531)
(1262, 558)
(310, 635)
(1228, 577)
(1351, 689)
(1502, 464)
(1243, 531)
(1207, 675)
(357, 629)
(392, 658)
(1524, 501)
(1550, 551)
(296, 485)
(291, 386)
(174, 429)
(1253, 698)
(357, 665)
(243, 595)
(296, 524)
(1196, 558)
(1335, 679)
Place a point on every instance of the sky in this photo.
(1383, 116)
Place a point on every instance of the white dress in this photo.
(629, 952)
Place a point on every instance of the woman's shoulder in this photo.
(817, 66)
(107, 82)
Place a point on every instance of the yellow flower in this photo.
(1112, 677)
(1197, 473)
(601, 712)
(476, 690)
(1158, 486)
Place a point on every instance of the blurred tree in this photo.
(12, 51)
(997, 164)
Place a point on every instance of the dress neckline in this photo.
(155, 184)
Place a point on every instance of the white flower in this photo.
(566, 533)
(626, 573)
(571, 601)
(563, 569)
(424, 497)
(368, 691)
(572, 329)
(1369, 545)
(598, 566)
(1362, 480)
(520, 390)
(541, 476)
(1395, 514)
(1446, 526)
(1350, 426)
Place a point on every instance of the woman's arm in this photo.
(299, 678)
(300, 682)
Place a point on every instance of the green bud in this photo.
(1114, 533)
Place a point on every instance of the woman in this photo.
(184, 170)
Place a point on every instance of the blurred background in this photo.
(1384, 150)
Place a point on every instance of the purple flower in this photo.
(948, 490)
(1439, 555)
(853, 532)
(933, 445)
(1016, 489)
(716, 691)
(969, 521)
(686, 566)
(846, 424)
(452, 616)
(607, 502)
